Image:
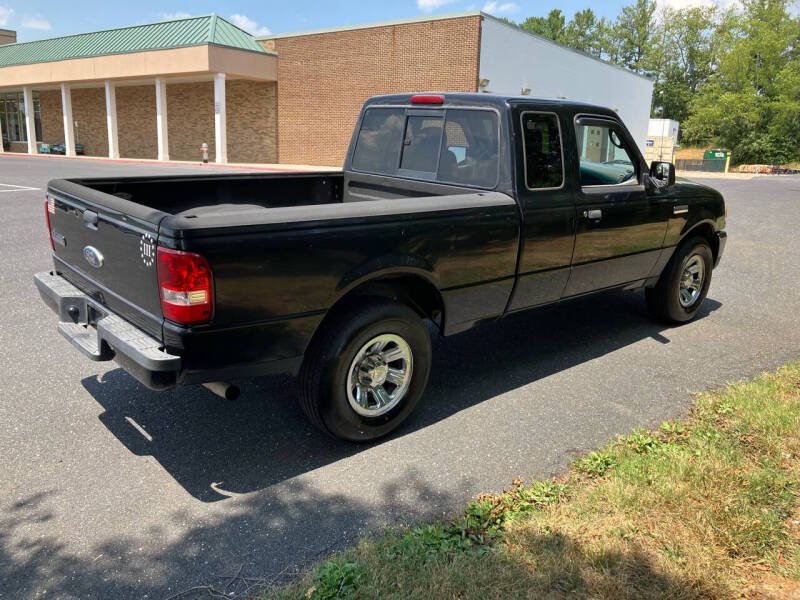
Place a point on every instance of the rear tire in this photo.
(683, 285)
(365, 370)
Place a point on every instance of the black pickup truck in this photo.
(452, 208)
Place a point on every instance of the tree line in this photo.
(731, 76)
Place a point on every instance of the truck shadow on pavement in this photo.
(216, 449)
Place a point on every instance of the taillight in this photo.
(186, 285)
(50, 209)
(427, 99)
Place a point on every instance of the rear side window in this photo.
(470, 149)
(379, 141)
(544, 163)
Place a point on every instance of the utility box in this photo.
(662, 140)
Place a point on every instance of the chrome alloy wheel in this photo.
(379, 375)
(691, 284)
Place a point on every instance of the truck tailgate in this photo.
(106, 247)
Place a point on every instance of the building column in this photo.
(2, 149)
(111, 119)
(69, 124)
(161, 118)
(220, 119)
(30, 123)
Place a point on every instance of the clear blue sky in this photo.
(36, 19)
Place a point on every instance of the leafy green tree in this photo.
(582, 32)
(607, 42)
(747, 103)
(553, 26)
(634, 31)
(730, 76)
(687, 52)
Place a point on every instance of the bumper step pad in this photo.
(113, 335)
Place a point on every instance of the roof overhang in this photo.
(173, 62)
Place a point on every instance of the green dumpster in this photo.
(716, 160)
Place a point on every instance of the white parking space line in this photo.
(17, 188)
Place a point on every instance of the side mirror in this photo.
(663, 171)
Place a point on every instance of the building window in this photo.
(12, 116)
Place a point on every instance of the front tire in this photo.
(366, 370)
(683, 285)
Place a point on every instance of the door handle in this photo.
(593, 214)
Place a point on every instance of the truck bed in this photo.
(193, 196)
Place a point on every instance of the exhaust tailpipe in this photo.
(225, 390)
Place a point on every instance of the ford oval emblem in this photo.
(93, 256)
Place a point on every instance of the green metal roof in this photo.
(179, 33)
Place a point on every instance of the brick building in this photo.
(159, 91)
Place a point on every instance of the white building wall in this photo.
(512, 59)
(663, 128)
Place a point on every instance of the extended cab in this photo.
(452, 208)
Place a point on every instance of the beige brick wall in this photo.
(89, 112)
(52, 120)
(136, 121)
(190, 118)
(323, 79)
(7, 36)
(252, 121)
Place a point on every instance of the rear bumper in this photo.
(102, 335)
(720, 239)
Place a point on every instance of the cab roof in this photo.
(499, 101)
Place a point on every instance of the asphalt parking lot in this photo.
(109, 490)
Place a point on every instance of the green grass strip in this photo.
(708, 507)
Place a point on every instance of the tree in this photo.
(748, 102)
(731, 76)
(552, 26)
(633, 29)
(686, 49)
(582, 33)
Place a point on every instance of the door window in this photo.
(541, 139)
(604, 157)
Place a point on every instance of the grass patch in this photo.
(705, 508)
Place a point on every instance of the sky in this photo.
(37, 19)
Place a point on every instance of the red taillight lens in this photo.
(50, 209)
(427, 99)
(186, 285)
